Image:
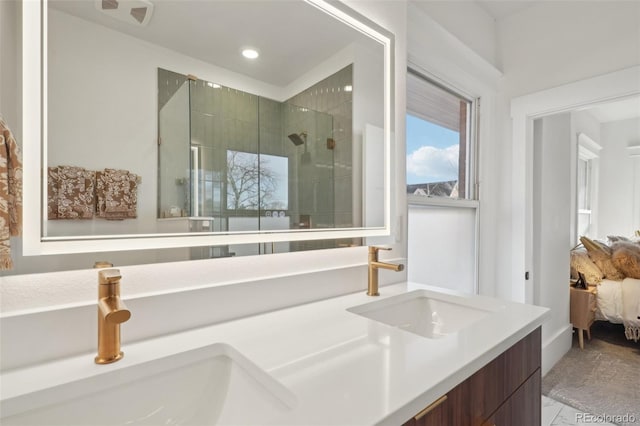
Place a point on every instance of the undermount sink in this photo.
(425, 313)
(213, 385)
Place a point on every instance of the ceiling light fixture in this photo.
(250, 53)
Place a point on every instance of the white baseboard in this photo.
(555, 347)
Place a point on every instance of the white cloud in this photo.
(435, 163)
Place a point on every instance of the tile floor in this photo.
(555, 413)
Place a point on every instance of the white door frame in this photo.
(524, 109)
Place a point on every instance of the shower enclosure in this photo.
(232, 161)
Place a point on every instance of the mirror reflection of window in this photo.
(257, 181)
(274, 190)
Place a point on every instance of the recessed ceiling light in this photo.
(348, 88)
(250, 53)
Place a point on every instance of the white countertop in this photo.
(343, 368)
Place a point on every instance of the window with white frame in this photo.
(439, 141)
(441, 185)
(587, 189)
(584, 196)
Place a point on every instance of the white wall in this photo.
(469, 23)
(11, 108)
(551, 227)
(548, 45)
(616, 188)
(101, 116)
(585, 122)
(556, 42)
(440, 55)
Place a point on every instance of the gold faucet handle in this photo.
(119, 315)
(114, 310)
(109, 276)
(373, 250)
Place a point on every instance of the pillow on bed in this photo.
(626, 257)
(615, 238)
(580, 262)
(600, 254)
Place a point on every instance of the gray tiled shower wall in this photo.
(329, 96)
(224, 119)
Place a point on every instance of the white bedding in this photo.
(619, 302)
(609, 301)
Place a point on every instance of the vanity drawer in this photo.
(473, 401)
(520, 409)
(488, 388)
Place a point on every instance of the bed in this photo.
(619, 302)
(615, 269)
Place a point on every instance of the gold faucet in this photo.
(374, 265)
(111, 313)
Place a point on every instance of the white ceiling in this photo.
(618, 110)
(292, 37)
(606, 112)
(500, 9)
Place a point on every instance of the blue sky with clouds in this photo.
(432, 152)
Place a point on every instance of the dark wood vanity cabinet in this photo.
(522, 408)
(504, 392)
(436, 414)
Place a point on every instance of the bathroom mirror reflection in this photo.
(305, 123)
(234, 161)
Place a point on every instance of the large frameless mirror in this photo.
(157, 132)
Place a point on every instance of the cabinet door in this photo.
(481, 394)
(436, 414)
(474, 400)
(523, 408)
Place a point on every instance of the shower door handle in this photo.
(195, 181)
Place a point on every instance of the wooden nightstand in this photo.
(583, 310)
